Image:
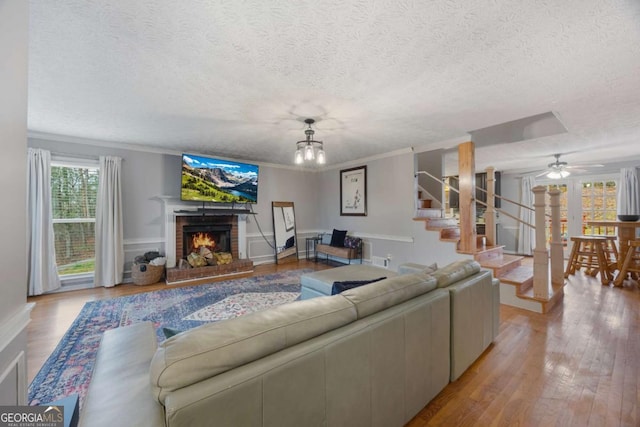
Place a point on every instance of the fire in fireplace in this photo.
(216, 238)
(199, 240)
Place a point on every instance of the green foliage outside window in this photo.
(73, 194)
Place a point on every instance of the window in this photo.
(583, 200)
(74, 189)
(599, 203)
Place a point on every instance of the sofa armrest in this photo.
(120, 391)
(473, 319)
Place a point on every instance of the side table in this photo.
(311, 243)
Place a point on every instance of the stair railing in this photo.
(541, 286)
(501, 211)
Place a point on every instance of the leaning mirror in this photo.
(284, 230)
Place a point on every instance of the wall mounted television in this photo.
(207, 179)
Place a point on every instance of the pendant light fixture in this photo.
(310, 150)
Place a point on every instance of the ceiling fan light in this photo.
(558, 174)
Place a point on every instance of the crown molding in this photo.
(356, 162)
(144, 148)
(158, 150)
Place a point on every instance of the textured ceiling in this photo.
(238, 78)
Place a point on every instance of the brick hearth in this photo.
(237, 266)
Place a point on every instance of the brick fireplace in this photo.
(218, 233)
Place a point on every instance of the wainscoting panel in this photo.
(13, 365)
(259, 250)
(13, 382)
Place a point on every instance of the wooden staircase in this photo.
(514, 272)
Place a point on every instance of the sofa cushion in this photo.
(455, 272)
(389, 292)
(211, 349)
(350, 284)
(322, 281)
(337, 238)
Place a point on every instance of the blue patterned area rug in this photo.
(68, 370)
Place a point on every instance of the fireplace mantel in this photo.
(174, 207)
(215, 211)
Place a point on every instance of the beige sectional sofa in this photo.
(371, 356)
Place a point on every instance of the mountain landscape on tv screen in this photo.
(212, 180)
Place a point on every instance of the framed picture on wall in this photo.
(353, 191)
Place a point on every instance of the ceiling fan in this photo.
(559, 169)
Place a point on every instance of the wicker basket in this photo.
(151, 273)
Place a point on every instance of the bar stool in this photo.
(631, 263)
(610, 251)
(588, 252)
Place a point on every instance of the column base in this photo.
(541, 284)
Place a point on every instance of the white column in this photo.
(242, 236)
(541, 284)
(490, 212)
(557, 252)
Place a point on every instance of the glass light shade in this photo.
(308, 152)
(558, 174)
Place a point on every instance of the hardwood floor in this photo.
(577, 365)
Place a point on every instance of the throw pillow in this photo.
(337, 238)
(169, 332)
(289, 243)
(352, 242)
(350, 284)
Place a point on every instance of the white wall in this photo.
(432, 162)
(14, 312)
(279, 184)
(389, 228)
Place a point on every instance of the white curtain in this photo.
(526, 234)
(628, 192)
(41, 255)
(109, 240)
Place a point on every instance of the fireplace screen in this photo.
(216, 238)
